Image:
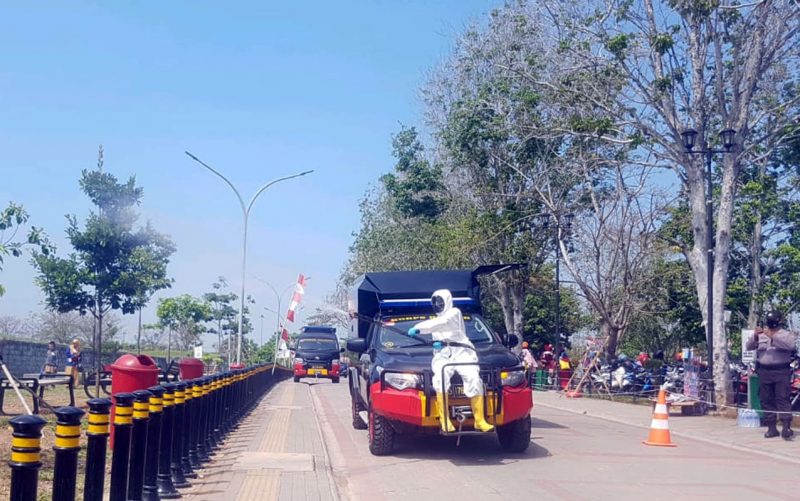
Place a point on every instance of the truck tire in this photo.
(516, 436)
(381, 434)
(335, 380)
(358, 423)
(296, 379)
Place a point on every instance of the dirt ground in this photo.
(55, 397)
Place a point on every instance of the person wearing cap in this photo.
(774, 347)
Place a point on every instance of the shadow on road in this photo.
(541, 423)
(474, 450)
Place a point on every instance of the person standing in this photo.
(774, 347)
(526, 357)
(74, 360)
(51, 359)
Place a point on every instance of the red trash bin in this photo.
(130, 373)
(191, 368)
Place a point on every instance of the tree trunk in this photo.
(98, 350)
(756, 273)
(722, 252)
(611, 335)
(139, 334)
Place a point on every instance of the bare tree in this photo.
(615, 242)
(705, 65)
(14, 327)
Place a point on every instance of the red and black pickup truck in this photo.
(391, 380)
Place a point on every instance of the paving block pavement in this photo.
(277, 453)
(717, 430)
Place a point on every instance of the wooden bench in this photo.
(35, 384)
(29, 384)
(52, 380)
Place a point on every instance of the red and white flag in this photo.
(299, 291)
(284, 339)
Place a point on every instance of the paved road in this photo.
(572, 456)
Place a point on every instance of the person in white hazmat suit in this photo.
(448, 327)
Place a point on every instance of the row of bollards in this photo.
(162, 436)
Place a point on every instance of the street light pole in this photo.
(689, 140)
(562, 221)
(261, 336)
(245, 216)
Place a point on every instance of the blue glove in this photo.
(413, 332)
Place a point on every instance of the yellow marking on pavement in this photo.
(278, 428)
(261, 485)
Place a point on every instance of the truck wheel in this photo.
(335, 380)
(296, 379)
(381, 434)
(516, 436)
(358, 423)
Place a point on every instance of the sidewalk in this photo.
(715, 430)
(275, 454)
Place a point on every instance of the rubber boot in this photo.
(477, 414)
(772, 431)
(444, 417)
(786, 432)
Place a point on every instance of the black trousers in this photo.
(773, 391)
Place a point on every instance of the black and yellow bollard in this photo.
(194, 432)
(202, 453)
(211, 444)
(141, 417)
(178, 480)
(155, 409)
(123, 422)
(216, 414)
(166, 489)
(96, 443)
(26, 448)
(188, 414)
(208, 448)
(67, 446)
(226, 402)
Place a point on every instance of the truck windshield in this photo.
(391, 332)
(318, 344)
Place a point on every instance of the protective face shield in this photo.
(774, 319)
(442, 300)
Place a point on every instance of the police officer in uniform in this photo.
(775, 346)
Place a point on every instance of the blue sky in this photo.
(256, 89)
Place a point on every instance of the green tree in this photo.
(415, 187)
(184, 315)
(12, 219)
(223, 311)
(114, 259)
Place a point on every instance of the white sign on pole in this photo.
(748, 356)
(198, 351)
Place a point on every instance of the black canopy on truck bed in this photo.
(372, 288)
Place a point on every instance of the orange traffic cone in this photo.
(659, 426)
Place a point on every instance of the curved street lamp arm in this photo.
(261, 190)
(241, 200)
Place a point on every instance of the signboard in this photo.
(691, 377)
(198, 351)
(748, 356)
